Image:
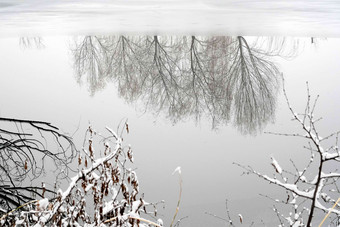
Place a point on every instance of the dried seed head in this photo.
(130, 154)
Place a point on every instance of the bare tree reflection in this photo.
(254, 82)
(223, 77)
(90, 62)
(31, 42)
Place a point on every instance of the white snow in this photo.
(160, 222)
(322, 207)
(88, 187)
(135, 205)
(19, 221)
(303, 179)
(95, 176)
(108, 207)
(327, 156)
(112, 132)
(329, 175)
(290, 187)
(276, 165)
(241, 218)
(43, 203)
(293, 200)
(178, 169)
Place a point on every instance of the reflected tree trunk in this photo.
(255, 82)
(222, 78)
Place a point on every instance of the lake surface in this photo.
(40, 80)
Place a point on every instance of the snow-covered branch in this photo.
(306, 196)
(105, 192)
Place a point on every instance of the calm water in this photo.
(41, 81)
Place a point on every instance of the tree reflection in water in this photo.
(221, 77)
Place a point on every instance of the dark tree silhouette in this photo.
(25, 147)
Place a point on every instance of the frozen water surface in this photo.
(231, 17)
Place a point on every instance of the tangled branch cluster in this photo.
(104, 192)
(23, 152)
(221, 78)
(308, 196)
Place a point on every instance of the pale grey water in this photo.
(40, 84)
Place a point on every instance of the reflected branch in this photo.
(223, 78)
(254, 81)
(31, 42)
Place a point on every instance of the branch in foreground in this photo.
(105, 192)
(307, 196)
(25, 146)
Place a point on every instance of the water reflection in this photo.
(223, 78)
(31, 42)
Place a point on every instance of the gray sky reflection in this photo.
(39, 84)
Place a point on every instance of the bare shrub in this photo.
(308, 197)
(105, 191)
